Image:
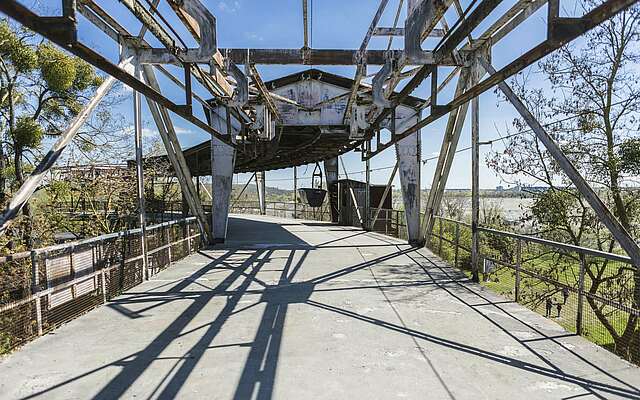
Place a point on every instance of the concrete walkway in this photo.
(295, 310)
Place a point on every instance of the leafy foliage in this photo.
(41, 89)
(27, 133)
(591, 109)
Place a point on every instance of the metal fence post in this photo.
(168, 228)
(188, 238)
(440, 234)
(580, 297)
(518, 267)
(295, 192)
(99, 254)
(386, 222)
(35, 289)
(457, 244)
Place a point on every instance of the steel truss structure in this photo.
(243, 117)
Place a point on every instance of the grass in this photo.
(560, 269)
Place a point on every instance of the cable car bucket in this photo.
(314, 196)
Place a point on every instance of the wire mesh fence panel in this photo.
(611, 306)
(18, 308)
(497, 261)
(44, 288)
(588, 292)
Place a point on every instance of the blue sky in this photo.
(337, 24)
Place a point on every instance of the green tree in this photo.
(592, 111)
(41, 89)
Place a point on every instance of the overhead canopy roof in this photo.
(298, 139)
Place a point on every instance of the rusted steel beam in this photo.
(34, 22)
(264, 92)
(361, 62)
(590, 20)
(383, 31)
(464, 29)
(512, 18)
(314, 56)
(305, 22)
(147, 20)
(108, 19)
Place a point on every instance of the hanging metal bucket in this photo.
(312, 197)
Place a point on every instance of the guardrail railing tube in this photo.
(457, 243)
(35, 288)
(518, 267)
(580, 296)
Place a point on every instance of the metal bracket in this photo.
(59, 28)
(241, 92)
(206, 24)
(562, 29)
(379, 79)
(420, 15)
(358, 122)
(436, 109)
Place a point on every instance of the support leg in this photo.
(408, 155)
(142, 218)
(445, 159)
(475, 190)
(367, 189)
(331, 175)
(295, 192)
(223, 159)
(176, 157)
(261, 185)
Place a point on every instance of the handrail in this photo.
(546, 242)
(563, 246)
(81, 242)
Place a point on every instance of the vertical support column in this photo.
(35, 289)
(331, 176)
(457, 245)
(261, 185)
(367, 190)
(518, 268)
(475, 191)
(580, 296)
(295, 192)
(223, 159)
(137, 116)
(408, 155)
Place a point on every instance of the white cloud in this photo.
(148, 132)
(253, 36)
(182, 131)
(229, 6)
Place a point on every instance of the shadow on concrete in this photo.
(258, 374)
(245, 231)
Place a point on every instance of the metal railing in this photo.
(592, 293)
(284, 209)
(44, 288)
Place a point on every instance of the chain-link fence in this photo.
(588, 292)
(44, 288)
